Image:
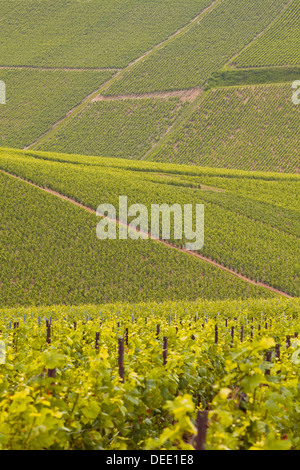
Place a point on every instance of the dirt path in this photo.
(119, 73)
(164, 242)
(184, 95)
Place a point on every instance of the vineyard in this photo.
(251, 128)
(279, 45)
(189, 59)
(137, 376)
(50, 255)
(94, 99)
(37, 99)
(99, 33)
(251, 225)
(135, 340)
(123, 129)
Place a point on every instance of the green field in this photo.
(97, 33)
(50, 255)
(250, 224)
(76, 393)
(188, 60)
(249, 128)
(279, 45)
(122, 129)
(37, 99)
(142, 343)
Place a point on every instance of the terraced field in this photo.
(251, 128)
(145, 344)
(56, 258)
(50, 255)
(69, 110)
(279, 45)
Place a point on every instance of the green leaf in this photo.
(52, 359)
(251, 382)
(92, 410)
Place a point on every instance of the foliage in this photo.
(97, 33)
(188, 60)
(36, 99)
(251, 224)
(86, 406)
(248, 128)
(279, 45)
(122, 129)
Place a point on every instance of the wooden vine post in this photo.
(48, 330)
(165, 350)
(216, 334)
(52, 374)
(232, 335)
(202, 425)
(268, 359)
(121, 359)
(242, 334)
(16, 326)
(97, 341)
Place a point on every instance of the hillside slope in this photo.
(250, 128)
(50, 255)
(251, 220)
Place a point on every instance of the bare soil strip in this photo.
(185, 95)
(169, 245)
